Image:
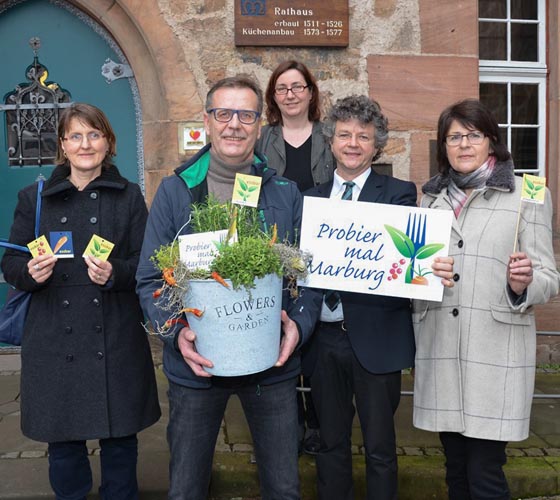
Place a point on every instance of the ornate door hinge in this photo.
(113, 71)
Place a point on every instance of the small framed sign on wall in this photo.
(308, 23)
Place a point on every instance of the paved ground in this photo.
(533, 468)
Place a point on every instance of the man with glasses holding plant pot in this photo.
(197, 399)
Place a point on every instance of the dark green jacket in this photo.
(280, 203)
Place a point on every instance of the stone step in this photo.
(235, 477)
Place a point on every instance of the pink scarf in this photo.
(475, 180)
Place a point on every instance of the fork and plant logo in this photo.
(412, 245)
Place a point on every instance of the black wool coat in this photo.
(87, 371)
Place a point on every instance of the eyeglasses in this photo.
(474, 138)
(347, 137)
(225, 115)
(78, 138)
(297, 88)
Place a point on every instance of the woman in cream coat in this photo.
(475, 359)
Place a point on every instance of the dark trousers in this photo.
(195, 416)
(70, 471)
(474, 468)
(307, 416)
(337, 380)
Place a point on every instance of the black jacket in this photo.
(87, 371)
(379, 327)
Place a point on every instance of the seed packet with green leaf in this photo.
(99, 247)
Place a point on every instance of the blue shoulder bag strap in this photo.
(39, 203)
(7, 244)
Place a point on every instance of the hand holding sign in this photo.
(374, 248)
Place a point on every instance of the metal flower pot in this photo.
(239, 330)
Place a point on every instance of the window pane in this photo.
(524, 147)
(524, 46)
(494, 97)
(524, 104)
(524, 9)
(495, 9)
(28, 147)
(492, 41)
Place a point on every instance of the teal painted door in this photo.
(73, 52)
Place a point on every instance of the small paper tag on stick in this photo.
(533, 189)
(246, 190)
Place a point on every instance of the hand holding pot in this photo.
(197, 363)
(290, 339)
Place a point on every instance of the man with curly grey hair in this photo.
(363, 341)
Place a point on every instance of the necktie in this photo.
(332, 297)
(347, 195)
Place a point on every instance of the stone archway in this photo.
(163, 76)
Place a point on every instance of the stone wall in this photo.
(414, 56)
(404, 53)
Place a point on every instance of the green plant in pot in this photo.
(241, 290)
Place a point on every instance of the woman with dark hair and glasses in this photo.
(475, 351)
(295, 147)
(86, 365)
(292, 141)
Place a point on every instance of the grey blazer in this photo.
(271, 144)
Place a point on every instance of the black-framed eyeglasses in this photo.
(474, 138)
(297, 88)
(224, 115)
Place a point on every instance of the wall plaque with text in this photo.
(310, 23)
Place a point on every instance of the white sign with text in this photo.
(198, 250)
(374, 248)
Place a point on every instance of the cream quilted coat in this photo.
(475, 351)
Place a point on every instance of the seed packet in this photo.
(99, 247)
(40, 246)
(61, 243)
(246, 190)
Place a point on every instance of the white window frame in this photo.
(508, 72)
